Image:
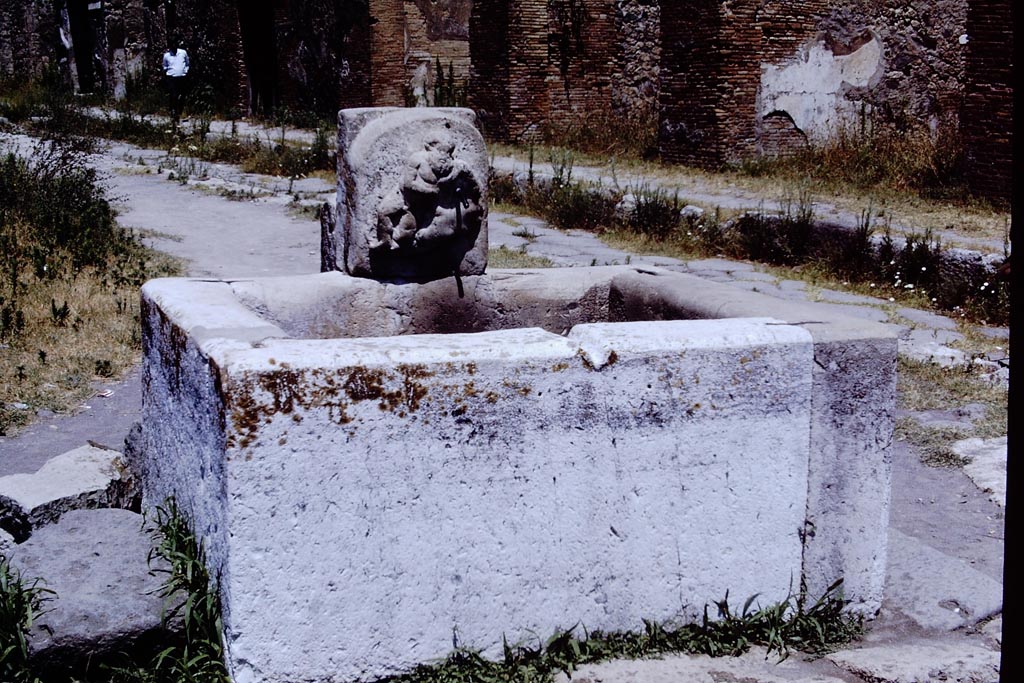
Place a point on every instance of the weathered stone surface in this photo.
(927, 319)
(259, 393)
(412, 193)
(106, 598)
(937, 591)
(6, 542)
(993, 630)
(451, 403)
(921, 662)
(87, 477)
(756, 665)
(987, 466)
(852, 422)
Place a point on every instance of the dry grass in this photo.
(970, 220)
(503, 257)
(926, 386)
(52, 364)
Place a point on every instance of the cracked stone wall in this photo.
(753, 77)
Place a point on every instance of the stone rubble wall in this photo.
(635, 84)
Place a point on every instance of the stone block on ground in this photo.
(509, 482)
(284, 404)
(86, 477)
(106, 595)
(921, 662)
(412, 193)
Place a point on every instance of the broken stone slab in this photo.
(106, 595)
(922, 346)
(939, 592)
(993, 630)
(962, 417)
(412, 193)
(756, 665)
(987, 466)
(90, 476)
(921, 662)
(927, 319)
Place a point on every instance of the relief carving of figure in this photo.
(436, 200)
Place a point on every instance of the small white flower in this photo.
(872, 285)
(908, 286)
(934, 300)
(891, 299)
(192, 148)
(923, 269)
(999, 348)
(892, 263)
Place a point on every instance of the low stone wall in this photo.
(368, 498)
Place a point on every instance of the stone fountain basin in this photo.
(380, 472)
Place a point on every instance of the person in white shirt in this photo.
(175, 69)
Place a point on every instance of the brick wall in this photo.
(988, 106)
(539, 61)
(28, 38)
(387, 60)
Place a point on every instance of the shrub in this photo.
(655, 213)
(784, 239)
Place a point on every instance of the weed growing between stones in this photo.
(21, 603)
(503, 257)
(58, 114)
(192, 598)
(792, 624)
(899, 156)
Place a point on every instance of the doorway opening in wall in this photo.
(83, 42)
(259, 46)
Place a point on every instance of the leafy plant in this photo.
(655, 213)
(20, 604)
(191, 595)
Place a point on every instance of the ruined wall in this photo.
(635, 82)
(323, 55)
(436, 31)
(988, 106)
(24, 52)
(540, 61)
(766, 76)
(711, 60)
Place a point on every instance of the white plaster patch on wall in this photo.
(811, 89)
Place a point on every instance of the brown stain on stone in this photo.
(334, 390)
